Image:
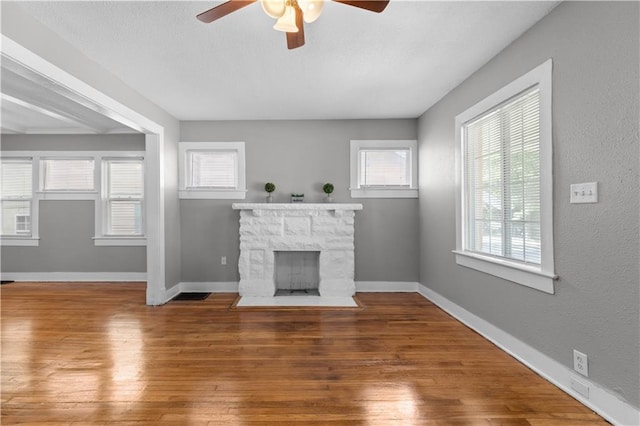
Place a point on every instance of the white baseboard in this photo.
(74, 276)
(170, 293)
(600, 399)
(386, 286)
(232, 287)
(211, 287)
(201, 287)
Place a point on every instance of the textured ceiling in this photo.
(355, 64)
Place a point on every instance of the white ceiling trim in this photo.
(65, 118)
(63, 110)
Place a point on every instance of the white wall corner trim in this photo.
(154, 148)
(75, 276)
(386, 286)
(600, 400)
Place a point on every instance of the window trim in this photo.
(102, 237)
(99, 238)
(237, 193)
(33, 238)
(359, 191)
(540, 277)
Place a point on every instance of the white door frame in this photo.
(154, 154)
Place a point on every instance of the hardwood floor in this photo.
(95, 354)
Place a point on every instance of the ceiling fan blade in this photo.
(295, 40)
(223, 10)
(372, 5)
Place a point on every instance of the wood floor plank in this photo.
(78, 354)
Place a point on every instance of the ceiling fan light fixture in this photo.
(287, 22)
(290, 15)
(311, 9)
(274, 8)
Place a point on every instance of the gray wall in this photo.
(28, 32)
(300, 156)
(67, 227)
(594, 47)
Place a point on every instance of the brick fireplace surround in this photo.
(324, 228)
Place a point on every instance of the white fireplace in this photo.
(326, 229)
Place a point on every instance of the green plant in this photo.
(269, 187)
(328, 188)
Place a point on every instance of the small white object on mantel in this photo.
(325, 228)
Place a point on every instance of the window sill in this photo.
(120, 241)
(384, 193)
(519, 274)
(221, 194)
(71, 195)
(19, 241)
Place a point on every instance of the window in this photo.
(212, 170)
(23, 224)
(504, 202)
(113, 180)
(16, 199)
(119, 213)
(67, 174)
(124, 193)
(384, 169)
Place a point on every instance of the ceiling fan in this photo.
(290, 14)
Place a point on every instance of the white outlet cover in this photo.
(580, 363)
(584, 193)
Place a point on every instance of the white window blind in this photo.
(212, 169)
(502, 177)
(68, 174)
(124, 196)
(385, 167)
(16, 196)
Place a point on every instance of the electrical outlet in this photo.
(584, 193)
(223, 260)
(580, 363)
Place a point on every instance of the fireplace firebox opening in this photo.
(297, 273)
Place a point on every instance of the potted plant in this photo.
(269, 187)
(328, 189)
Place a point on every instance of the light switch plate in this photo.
(584, 193)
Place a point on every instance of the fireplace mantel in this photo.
(266, 228)
(257, 207)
